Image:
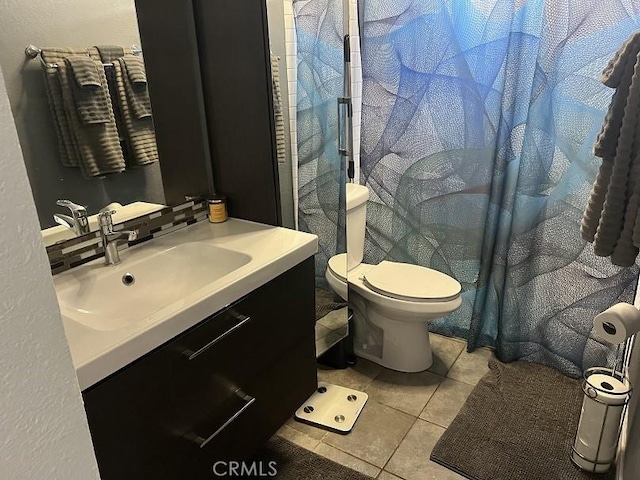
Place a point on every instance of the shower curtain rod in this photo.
(31, 51)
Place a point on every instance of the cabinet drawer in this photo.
(276, 394)
(215, 360)
(255, 328)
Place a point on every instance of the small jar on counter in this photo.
(217, 208)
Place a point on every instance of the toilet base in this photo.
(398, 345)
(409, 364)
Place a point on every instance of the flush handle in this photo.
(243, 319)
(202, 442)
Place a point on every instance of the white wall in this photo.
(43, 427)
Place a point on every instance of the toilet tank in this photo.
(357, 196)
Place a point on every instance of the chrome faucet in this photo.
(110, 238)
(78, 222)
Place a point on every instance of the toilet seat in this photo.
(338, 266)
(404, 281)
(399, 281)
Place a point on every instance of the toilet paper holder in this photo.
(614, 403)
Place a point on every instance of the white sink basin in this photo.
(111, 297)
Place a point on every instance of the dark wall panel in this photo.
(236, 76)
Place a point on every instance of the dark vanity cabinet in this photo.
(215, 392)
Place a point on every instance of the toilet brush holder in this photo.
(606, 393)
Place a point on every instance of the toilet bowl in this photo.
(392, 302)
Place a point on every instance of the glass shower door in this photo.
(307, 39)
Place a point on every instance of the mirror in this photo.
(312, 171)
(130, 179)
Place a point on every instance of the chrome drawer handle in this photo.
(202, 442)
(191, 354)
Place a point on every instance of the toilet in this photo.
(392, 302)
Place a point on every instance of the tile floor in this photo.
(404, 416)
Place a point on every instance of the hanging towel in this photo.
(66, 144)
(79, 144)
(133, 100)
(611, 218)
(136, 83)
(109, 54)
(96, 141)
(277, 109)
(90, 97)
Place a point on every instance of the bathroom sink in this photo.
(176, 281)
(108, 298)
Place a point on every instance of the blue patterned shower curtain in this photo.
(321, 206)
(478, 122)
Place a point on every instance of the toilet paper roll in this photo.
(617, 323)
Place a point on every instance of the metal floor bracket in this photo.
(333, 407)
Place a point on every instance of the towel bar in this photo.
(31, 51)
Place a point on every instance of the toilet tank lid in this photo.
(406, 281)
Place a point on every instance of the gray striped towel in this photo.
(277, 109)
(92, 99)
(611, 219)
(108, 54)
(136, 86)
(66, 144)
(138, 130)
(97, 144)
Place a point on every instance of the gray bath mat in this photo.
(297, 463)
(519, 423)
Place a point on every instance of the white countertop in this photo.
(273, 250)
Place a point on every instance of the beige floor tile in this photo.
(445, 351)
(376, 434)
(310, 430)
(408, 392)
(387, 476)
(471, 367)
(411, 459)
(297, 437)
(357, 377)
(445, 404)
(347, 460)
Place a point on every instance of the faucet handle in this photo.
(74, 207)
(106, 221)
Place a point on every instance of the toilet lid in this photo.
(338, 265)
(411, 282)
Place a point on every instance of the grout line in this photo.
(430, 398)
(398, 446)
(454, 362)
(350, 454)
(397, 409)
(462, 381)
